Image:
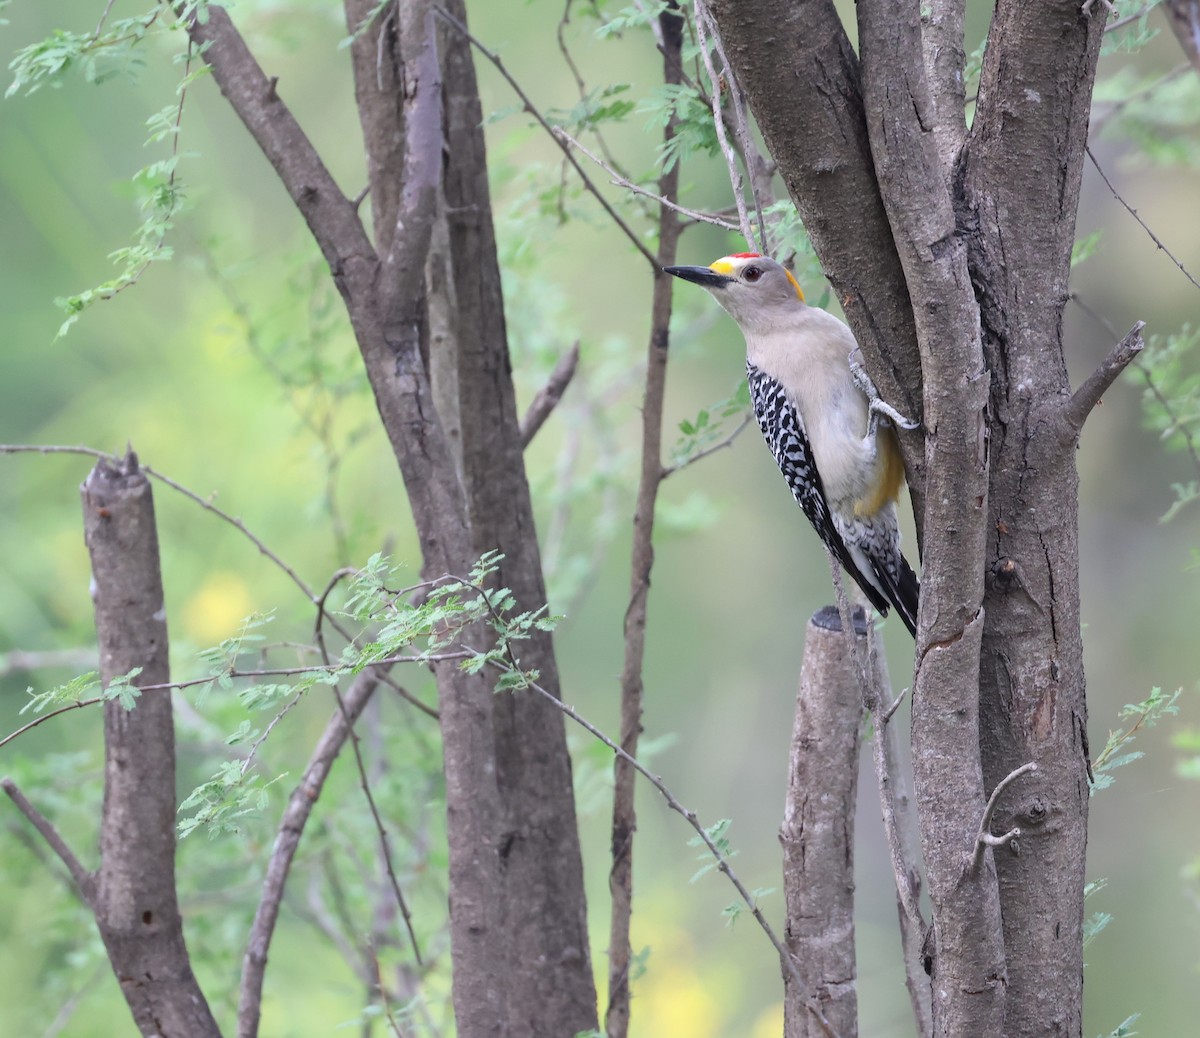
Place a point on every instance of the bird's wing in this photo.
(783, 429)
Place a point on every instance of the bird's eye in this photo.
(752, 274)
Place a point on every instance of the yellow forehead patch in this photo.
(726, 265)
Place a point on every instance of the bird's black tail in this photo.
(904, 594)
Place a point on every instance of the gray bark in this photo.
(976, 255)
(551, 990)
(511, 971)
(968, 961)
(1020, 193)
(133, 892)
(818, 834)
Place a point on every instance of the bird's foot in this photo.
(878, 408)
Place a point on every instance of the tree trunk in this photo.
(954, 248)
(1020, 193)
(552, 991)
(818, 833)
(134, 897)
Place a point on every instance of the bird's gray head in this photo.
(754, 289)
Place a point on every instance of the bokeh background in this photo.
(231, 369)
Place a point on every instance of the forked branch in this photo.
(986, 838)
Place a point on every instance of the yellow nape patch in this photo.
(795, 284)
(891, 475)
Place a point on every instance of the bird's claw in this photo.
(878, 408)
(885, 411)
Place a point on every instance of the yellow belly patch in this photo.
(891, 475)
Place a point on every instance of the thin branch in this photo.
(757, 169)
(985, 838)
(51, 448)
(498, 63)
(580, 84)
(670, 470)
(384, 844)
(1087, 396)
(1180, 426)
(318, 624)
(315, 668)
(1129, 19)
(550, 394)
(46, 717)
(71, 1005)
(237, 524)
(291, 827)
(84, 880)
(641, 562)
(704, 29)
(1160, 398)
(1133, 212)
(621, 181)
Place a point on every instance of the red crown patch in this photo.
(745, 255)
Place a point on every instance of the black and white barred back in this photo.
(783, 429)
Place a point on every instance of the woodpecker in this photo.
(832, 436)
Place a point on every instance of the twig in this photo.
(1088, 394)
(318, 624)
(1180, 426)
(498, 63)
(253, 751)
(670, 470)
(756, 167)
(381, 987)
(1120, 23)
(46, 717)
(237, 524)
(550, 394)
(84, 880)
(291, 827)
(103, 18)
(895, 705)
(580, 84)
(621, 181)
(703, 28)
(50, 448)
(384, 845)
(1133, 212)
(315, 668)
(985, 839)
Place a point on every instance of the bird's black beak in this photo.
(703, 276)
